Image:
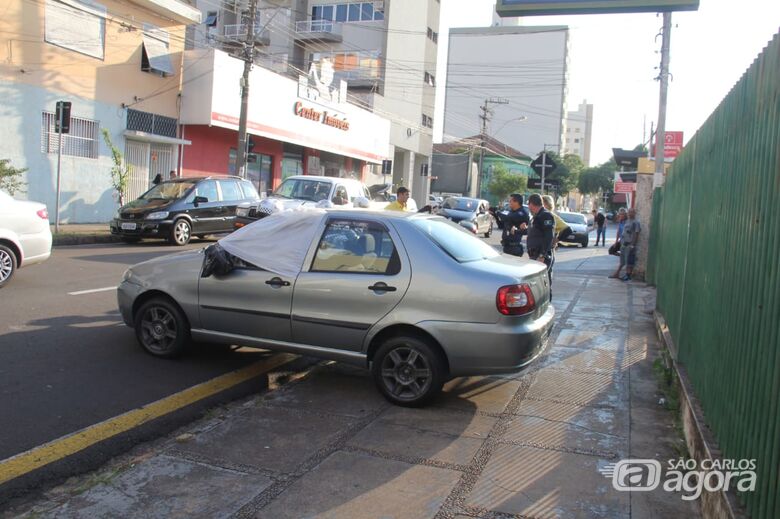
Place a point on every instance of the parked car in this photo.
(470, 213)
(25, 235)
(353, 286)
(308, 191)
(177, 210)
(579, 225)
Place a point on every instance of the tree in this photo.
(11, 177)
(120, 173)
(505, 183)
(574, 167)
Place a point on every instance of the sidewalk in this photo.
(329, 446)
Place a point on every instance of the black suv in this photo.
(178, 209)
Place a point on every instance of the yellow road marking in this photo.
(55, 450)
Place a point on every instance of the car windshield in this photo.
(455, 240)
(573, 218)
(462, 204)
(168, 191)
(304, 189)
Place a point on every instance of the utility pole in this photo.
(249, 57)
(485, 116)
(660, 132)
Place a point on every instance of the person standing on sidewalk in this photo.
(628, 242)
(601, 227)
(541, 235)
(515, 226)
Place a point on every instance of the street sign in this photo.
(387, 167)
(62, 114)
(673, 144)
(547, 7)
(549, 165)
(625, 187)
(536, 183)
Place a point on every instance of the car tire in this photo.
(181, 232)
(161, 328)
(408, 371)
(584, 243)
(7, 265)
(489, 231)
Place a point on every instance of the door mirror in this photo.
(200, 200)
(269, 192)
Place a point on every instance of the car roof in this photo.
(198, 179)
(322, 178)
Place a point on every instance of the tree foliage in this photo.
(597, 179)
(503, 183)
(120, 173)
(11, 177)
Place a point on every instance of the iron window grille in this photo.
(82, 141)
(151, 123)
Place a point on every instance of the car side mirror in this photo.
(269, 192)
(200, 200)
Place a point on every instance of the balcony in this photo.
(237, 33)
(318, 30)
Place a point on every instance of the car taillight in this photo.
(515, 299)
(43, 213)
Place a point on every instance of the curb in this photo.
(699, 439)
(59, 240)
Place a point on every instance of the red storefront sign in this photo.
(673, 144)
(625, 187)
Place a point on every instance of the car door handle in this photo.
(277, 282)
(383, 287)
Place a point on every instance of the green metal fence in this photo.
(715, 258)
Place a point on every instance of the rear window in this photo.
(573, 218)
(455, 240)
(461, 204)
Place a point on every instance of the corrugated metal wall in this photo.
(715, 258)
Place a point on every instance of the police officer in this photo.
(541, 234)
(515, 226)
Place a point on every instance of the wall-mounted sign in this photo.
(321, 116)
(673, 144)
(625, 187)
(555, 7)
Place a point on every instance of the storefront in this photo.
(293, 130)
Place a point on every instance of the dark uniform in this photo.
(511, 242)
(540, 239)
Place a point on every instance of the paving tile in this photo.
(335, 389)
(268, 438)
(602, 430)
(544, 483)
(583, 359)
(348, 485)
(588, 339)
(472, 394)
(166, 487)
(586, 389)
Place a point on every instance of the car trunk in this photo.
(521, 271)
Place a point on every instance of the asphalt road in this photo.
(66, 359)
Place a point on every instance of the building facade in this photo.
(525, 68)
(385, 51)
(120, 65)
(579, 129)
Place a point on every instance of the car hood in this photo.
(155, 267)
(143, 205)
(456, 216)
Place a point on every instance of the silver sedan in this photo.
(415, 298)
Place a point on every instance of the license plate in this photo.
(571, 236)
(129, 226)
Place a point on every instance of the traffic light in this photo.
(250, 144)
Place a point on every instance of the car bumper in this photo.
(574, 237)
(492, 348)
(36, 247)
(243, 221)
(126, 294)
(142, 229)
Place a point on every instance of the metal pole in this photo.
(660, 133)
(482, 133)
(544, 164)
(249, 49)
(59, 168)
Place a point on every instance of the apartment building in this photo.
(579, 127)
(120, 65)
(384, 51)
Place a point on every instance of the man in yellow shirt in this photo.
(560, 225)
(400, 202)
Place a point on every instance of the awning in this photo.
(150, 137)
(156, 57)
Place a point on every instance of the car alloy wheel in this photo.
(182, 232)
(7, 264)
(161, 328)
(408, 371)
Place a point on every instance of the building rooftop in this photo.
(492, 147)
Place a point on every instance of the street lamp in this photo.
(515, 120)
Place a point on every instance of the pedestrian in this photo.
(515, 225)
(601, 227)
(173, 174)
(562, 229)
(540, 235)
(157, 179)
(628, 245)
(402, 197)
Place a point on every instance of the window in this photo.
(367, 11)
(347, 12)
(340, 197)
(430, 79)
(211, 19)
(249, 189)
(455, 240)
(432, 35)
(156, 57)
(576, 130)
(82, 141)
(230, 190)
(358, 247)
(576, 141)
(207, 188)
(341, 12)
(316, 12)
(354, 13)
(78, 25)
(427, 121)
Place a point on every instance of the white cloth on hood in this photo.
(277, 243)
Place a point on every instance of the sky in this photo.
(613, 60)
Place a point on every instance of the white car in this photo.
(25, 236)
